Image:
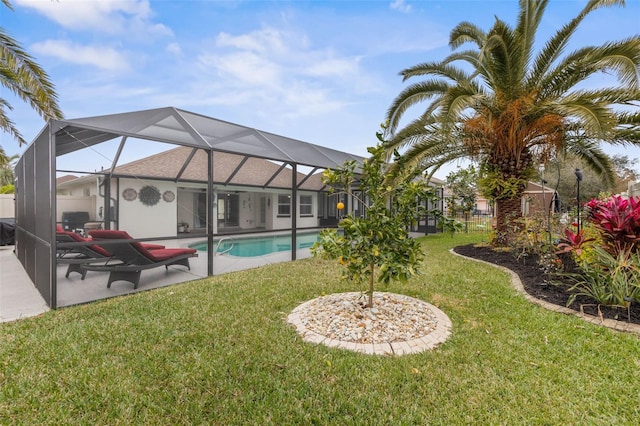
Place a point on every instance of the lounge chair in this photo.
(134, 257)
(77, 255)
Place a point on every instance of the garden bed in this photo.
(547, 287)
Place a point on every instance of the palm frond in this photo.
(589, 151)
(466, 32)
(416, 93)
(7, 125)
(26, 79)
(556, 45)
(440, 69)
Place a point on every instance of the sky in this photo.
(324, 72)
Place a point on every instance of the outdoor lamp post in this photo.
(544, 201)
(578, 174)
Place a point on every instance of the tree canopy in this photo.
(510, 107)
(22, 76)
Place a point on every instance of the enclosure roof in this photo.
(180, 127)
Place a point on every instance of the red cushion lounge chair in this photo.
(78, 255)
(134, 257)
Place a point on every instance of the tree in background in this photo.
(462, 185)
(626, 172)
(21, 75)
(560, 175)
(6, 172)
(509, 106)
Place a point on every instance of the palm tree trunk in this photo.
(506, 225)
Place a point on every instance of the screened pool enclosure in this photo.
(166, 176)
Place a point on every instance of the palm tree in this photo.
(6, 168)
(509, 107)
(23, 76)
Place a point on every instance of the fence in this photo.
(476, 223)
(7, 206)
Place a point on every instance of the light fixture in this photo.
(579, 177)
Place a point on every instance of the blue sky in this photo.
(321, 71)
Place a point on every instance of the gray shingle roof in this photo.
(232, 169)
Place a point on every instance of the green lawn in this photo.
(219, 351)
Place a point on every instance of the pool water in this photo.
(259, 246)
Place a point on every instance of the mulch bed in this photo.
(539, 284)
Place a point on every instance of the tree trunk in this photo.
(506, 225)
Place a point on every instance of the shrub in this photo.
(618, 220)
(450, 225)
(609, 270)
(609, 279)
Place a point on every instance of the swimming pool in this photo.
(258, 246)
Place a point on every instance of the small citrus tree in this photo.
(378, 243)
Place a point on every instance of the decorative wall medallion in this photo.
(149, 195)
(168, 196)
(129, 194)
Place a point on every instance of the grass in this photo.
(219, 351)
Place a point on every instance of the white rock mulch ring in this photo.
(396, 325)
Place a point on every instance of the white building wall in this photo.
(7, 206)
(75, 203)
(142, 221)
(285, 222)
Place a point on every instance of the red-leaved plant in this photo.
(573, 242)
(618, 220)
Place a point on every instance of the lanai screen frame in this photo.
(36, 171)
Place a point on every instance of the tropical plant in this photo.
(378, 243)
(6, 167)
(7, 189)
(610, 279)
(509, 106)
(573, 242)
(618, 220)
(22, 76)
(450, 225)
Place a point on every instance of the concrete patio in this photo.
(19, 298)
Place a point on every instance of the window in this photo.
(306, 206)
(332, 210)
(284, 205)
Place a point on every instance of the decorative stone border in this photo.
(421, 344)
(517, 284)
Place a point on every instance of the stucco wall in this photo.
(285, 222)
(142, 221)
(71, 203)
(7, 206)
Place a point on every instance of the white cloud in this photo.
(131, 17)
(174, 49)
(265, 41)
(400, 6)
(105, 58)
(244, 68)
(281, 71)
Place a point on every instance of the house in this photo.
(249, 194)
(252, 179)
(535, 199)
(538, 198)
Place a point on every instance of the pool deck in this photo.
(19, 297)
